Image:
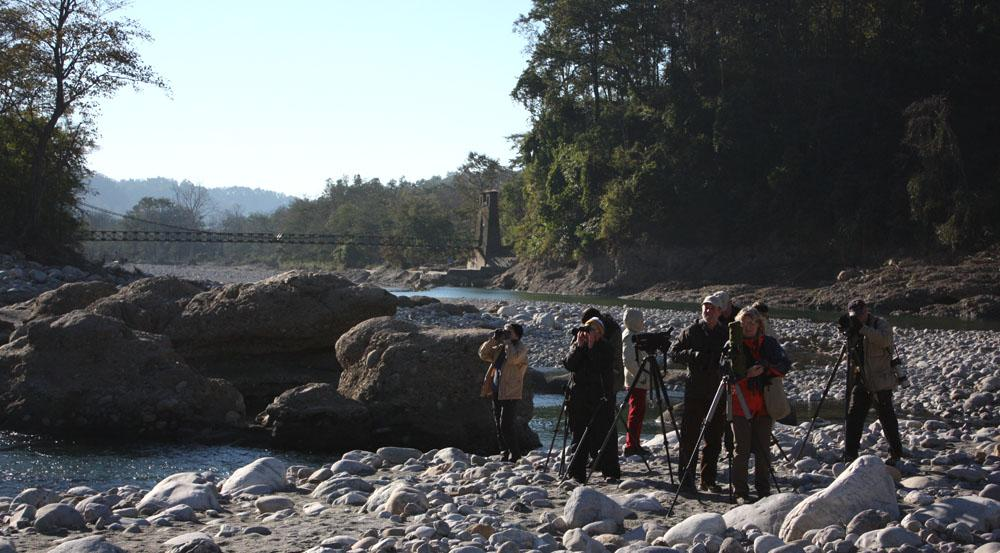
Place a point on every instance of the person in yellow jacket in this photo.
(504, 383)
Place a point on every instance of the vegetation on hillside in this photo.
(826, 127)
(427, 222)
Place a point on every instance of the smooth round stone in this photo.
(916, 482)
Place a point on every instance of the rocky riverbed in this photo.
(944, 497)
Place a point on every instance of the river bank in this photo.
(965, 287)
(456, 501)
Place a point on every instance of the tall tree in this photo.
(77, 52)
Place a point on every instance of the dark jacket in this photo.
(700, 348)
(592, 368)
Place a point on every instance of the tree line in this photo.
(824, 127)
(440, 212)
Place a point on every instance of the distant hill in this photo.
(121, 195)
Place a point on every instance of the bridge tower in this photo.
(488, 246)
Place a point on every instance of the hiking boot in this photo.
(743, 499)
(711, 487)
(637, 450)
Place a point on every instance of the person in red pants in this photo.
(637, 399)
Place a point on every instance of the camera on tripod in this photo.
(652, 342)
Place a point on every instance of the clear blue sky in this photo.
(283, 95)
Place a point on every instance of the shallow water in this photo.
(32, 461)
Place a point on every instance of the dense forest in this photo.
(832, 128)
(829, 129)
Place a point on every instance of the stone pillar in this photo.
(489, 225)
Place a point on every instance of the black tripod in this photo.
(555, 433)
(727, 383)
(581, 444)
(649, 365)
(829, 382)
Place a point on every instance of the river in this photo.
(27, 461)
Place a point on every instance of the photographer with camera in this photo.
(637, 399)
(613, 334)
(764, 359)
(871, 378)
(504, 383)
(590, 408)
(700, 348)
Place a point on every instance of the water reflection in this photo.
(32, 461)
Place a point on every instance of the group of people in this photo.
(602, 358)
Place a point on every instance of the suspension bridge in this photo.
(483, 252)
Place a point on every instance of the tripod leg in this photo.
(602, 451)
(774, 478)
(829, 383)
(701, 436)
(562, 453)
(657, 387)
(555, 433)
(614, 421)
(774, 440)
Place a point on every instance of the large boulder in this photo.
(766, 514)
(291, 312)
(865, 484)
(421, 386)
(586, 505)
(86, 374)
(269, 336)
(149, 304)
(701, 523)
(57, 518)
(70, 297)
(184, 488)
(316, 417)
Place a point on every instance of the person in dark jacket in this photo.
(591, 361)
(700, 348)
(613, 334)
(751, 423)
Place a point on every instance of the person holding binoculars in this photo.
(504, 383)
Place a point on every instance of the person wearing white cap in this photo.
(591, 361)
(700, 348)
(637, 399)
(729, 308)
